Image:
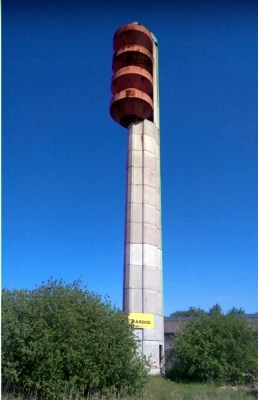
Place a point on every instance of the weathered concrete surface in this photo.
(143, 254)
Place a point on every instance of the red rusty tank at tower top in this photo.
(132, 81)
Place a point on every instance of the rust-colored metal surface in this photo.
(132, 55)
(132, 83)
(132, 77)
(131, 105)
(132, 34)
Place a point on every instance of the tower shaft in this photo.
(142, 253)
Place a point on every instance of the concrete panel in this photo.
(158, 137)
(158, 219)
(136, 299)
(150, 195)
(150, 234)
(150, 144)
(126, 307)
(133, 278)
(135, 158)
(158, 155)
(153, 334)
(159, 244)
(158, 202)
(136, 142)
(133, 300)
(136, 128)
(134, 232)
(135, 175)
(151, 278)
(150, 129)
(133, 254)
(150, 334)
(132, 142)
(150, 161)
(158, 187)
(150, 255)
(150, 214)
(151, 351)
(134, 193)
(134, 212)
(159, 326)
(152, 301)
(159, 261)
(158, 332)
(150, 178)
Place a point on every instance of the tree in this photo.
(218, 347)
(60, 340)
(191, 312)
(216, 309)
(235, 311)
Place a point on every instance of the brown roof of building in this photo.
(173, 325)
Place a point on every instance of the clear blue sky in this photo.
(64, 157)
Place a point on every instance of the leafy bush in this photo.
(60, 340)
(215, 348)
(191, 312)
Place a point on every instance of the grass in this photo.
(162, 389)
(159, 388)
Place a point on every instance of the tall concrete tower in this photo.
(135, 106)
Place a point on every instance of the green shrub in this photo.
(60, 340)
(215, 348)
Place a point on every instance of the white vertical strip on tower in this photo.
(155, 77)
(159, 221)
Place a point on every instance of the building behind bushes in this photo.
(173, 325)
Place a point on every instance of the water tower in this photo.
(135, 106)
